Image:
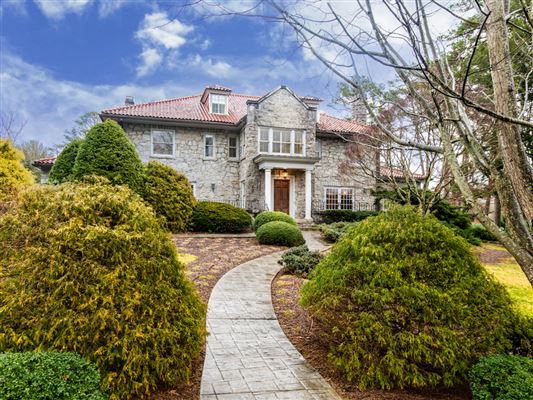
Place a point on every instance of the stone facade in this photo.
(241, 181)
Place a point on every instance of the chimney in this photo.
(129, 101)
(359, 112)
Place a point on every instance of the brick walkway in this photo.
(248, 355)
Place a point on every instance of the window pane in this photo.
(298, 148)
(162, 148)
(318, 148)
(287, 136)
(298, 137)
(286, 148)
(232, 142)
(162, 137)
(264, 134)
(277, 136)
(276, 147)
(263, 147)
(346, 199)
(208, 140)
(332, 199)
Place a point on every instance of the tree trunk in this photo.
(510, 147)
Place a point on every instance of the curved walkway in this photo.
(248, 355)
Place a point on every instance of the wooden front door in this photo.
(281, 195)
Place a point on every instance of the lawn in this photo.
(504, 268)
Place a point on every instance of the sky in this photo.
(61, 59)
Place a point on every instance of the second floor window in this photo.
(233, 147)
(281, 141)
(219, 103)
(162, 143)
(209, 146)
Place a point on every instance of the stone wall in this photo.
(221, 171)
(335, 170)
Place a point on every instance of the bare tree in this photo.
(407, 45)
(11, 125)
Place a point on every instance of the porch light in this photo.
(284, 173)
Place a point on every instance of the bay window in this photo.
(281, 141)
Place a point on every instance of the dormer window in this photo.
(218, 103)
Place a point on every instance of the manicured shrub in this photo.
(405, 304)
(48, 375)
(331, 216)
(108, 152)
(300, 261)
(64, 164)
(279, 233)
(269, 216)
(13, 175)
(211, 216)
(480, 232)
(170, 195)
(502, 377)
(333, 232)
(451, 214)
(101, 277)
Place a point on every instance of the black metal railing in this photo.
(320, 205)
(253, 206)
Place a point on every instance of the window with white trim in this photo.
(318, 148)
(162, 143)
(339, 198)
(209, 146)
(233, 147)
(219, 103)
(281, 141)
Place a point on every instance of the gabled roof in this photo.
(191, 108)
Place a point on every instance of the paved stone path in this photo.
(248, 355)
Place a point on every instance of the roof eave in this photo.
(173, 122)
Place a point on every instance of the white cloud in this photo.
(218, 69)
(151, 59)
(17, 6)
(50, 105)
(108, 7)
(58, 9)
(158, 30)
(161, 38)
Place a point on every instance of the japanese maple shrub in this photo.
(405, 303)
(170, 195)
(108, 152)
(88, 268)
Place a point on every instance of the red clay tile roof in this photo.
(191, 108)
(185, 108)
(45, 161)
(327, 123)
(218, 87)
(397, 173)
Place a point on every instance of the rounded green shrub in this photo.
(405, 303)
(170, 195)
(480, 232)
(48, 375)
(280, 233)
(269, 216)
(88, 268)
(211, 216)
(502, 377)
(13, 175)
(108, 152)
(300, 260)
(64, 164)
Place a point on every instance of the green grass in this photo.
(508, 272)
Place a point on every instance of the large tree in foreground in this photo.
(400, 37)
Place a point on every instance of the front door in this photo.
(281, 195)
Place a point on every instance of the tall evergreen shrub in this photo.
(63, 166)
(88, 268)
(405, 304)
(13, 175)
(108, 152)
(170, 194)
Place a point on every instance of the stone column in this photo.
(268, 189)
(308, 196)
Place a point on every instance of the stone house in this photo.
(275, 152)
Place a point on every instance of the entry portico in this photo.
(278, 170)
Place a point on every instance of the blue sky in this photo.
(59, 60)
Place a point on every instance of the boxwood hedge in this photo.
(269, 216)
(211, 216)
(279, 233)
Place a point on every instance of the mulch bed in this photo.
(214, 257)
(305, 336)
(491, 254)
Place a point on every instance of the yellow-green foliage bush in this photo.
(405, 304)
(170, 195)
(88, 268)
(13, 175)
